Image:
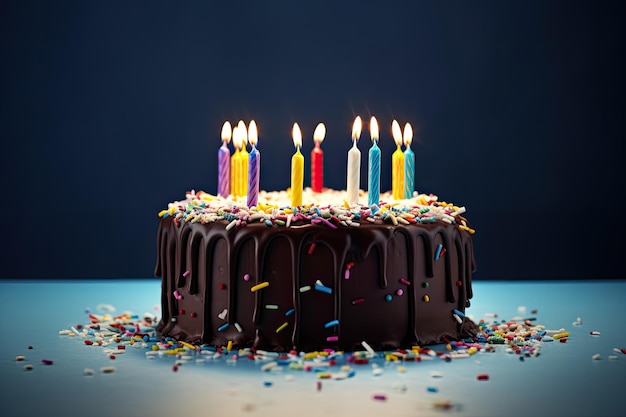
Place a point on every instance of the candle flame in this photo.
(237, 138)
(244, 133)
(252, 133)
(356, 128)
(374, 129)
(297, 136)
(408, 134)
(226, 132)
(320, 132)
(396, 132)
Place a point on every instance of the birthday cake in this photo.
(326, 274)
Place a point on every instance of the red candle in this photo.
(317, 159)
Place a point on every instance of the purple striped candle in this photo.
(223, 163)
(254, 166)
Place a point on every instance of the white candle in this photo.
(354, 164)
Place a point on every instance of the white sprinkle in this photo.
(436, 374)
(238, 327)
(594, 333)
(268, 366)
(107, 369)
(521, 309)
(457, 318)
(88, 372)
(612, 357)
(369, 349)
(305, 288)
(231, 224)
(223, 314)
(271, 306)
(596, 357)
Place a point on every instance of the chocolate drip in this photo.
(374, 304)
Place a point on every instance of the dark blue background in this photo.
(110, 110)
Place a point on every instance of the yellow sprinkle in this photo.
(472, 350)
(155, 347)
(187, 345)
(282, 326)
(229, 346)
(426, 298)
(131, 341)
(402, 220)
(323, 375)
(260, 286)
(310, 355)
(162, 213)
(393, 219)
(467, 229)
(171, 210)
(402, 369)
(406, 215)
(560, 335)
(288, 211)
(323, 353)
(448, 346)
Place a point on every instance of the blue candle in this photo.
(373, 183)
(254, 166)
(409, 162)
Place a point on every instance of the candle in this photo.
(297, 168)
(254, 166)
(317, 159)
(373, 183)
(223, 162)
(243, 180)
(354, 164)
(397, 164)
(235, 164)
(409, 162)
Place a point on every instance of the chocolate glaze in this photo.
(218, 259)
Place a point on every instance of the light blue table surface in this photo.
(563, 380)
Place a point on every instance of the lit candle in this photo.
(409, 162)
(397, 164)
(317, 159)
(254, 166)
(373, 183)
(223, 162)
(235, 164)
(354, 164)
(297, 168)
(243, 180)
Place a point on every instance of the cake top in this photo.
(328, 208)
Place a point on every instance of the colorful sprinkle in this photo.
(331, 323)
(282, 327)
(260, 286)
(438, 252)
(223, 327)
(358, 300)
(405, 282)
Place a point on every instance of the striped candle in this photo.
(397, 164)
(373, 183)
(354, 164)
(254, 166)
(409, 162)
(223, 162)
(243, 180)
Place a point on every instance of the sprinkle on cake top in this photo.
(328, 208)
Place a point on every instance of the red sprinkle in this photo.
(311, 248)
(175, 368)
(358, 300)
(112, 357)
(482, 377)
(47, 361)
(459, 283)
(88, 342)
(222, 286)
(624, 351)
(181, 311)
(563, 340)
(379, 397)
(192, 314)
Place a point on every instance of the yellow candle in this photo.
(297, 168)
(235, 164)
(243, 181)
(397, 164)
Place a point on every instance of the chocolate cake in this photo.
(318, 276)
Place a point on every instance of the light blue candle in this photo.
(409, 172)
(373, 182)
